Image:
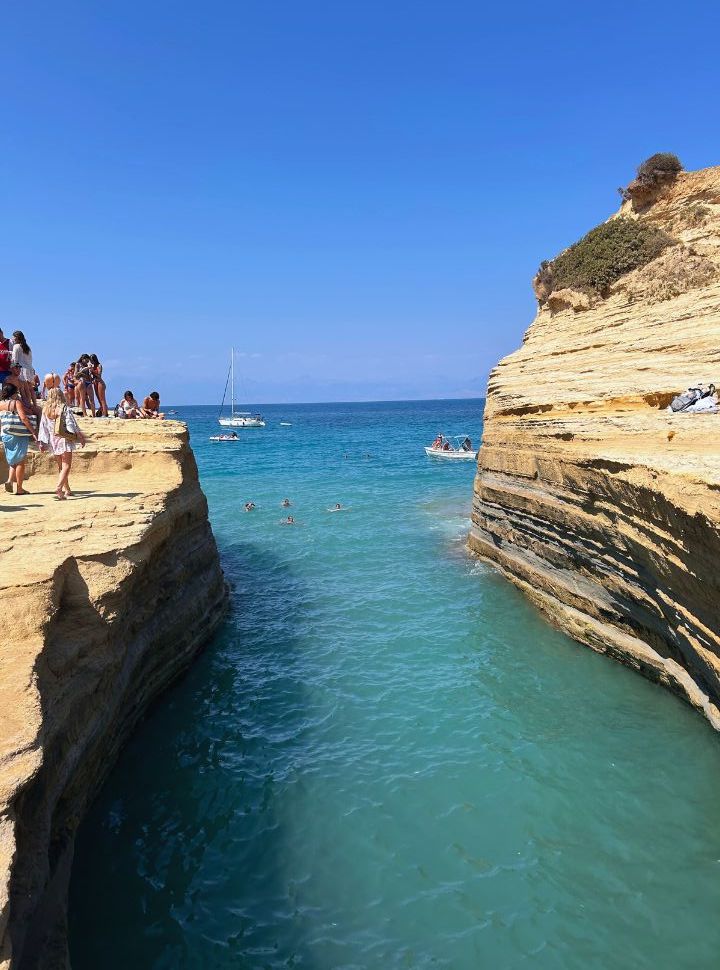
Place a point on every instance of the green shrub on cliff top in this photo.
(605, 254)
(660, 166)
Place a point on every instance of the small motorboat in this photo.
(224, 437)
(286, 424)
(443, 447)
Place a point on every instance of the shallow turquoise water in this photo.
(386, 759)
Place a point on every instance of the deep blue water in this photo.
(386, 759)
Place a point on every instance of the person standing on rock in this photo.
(22, 358)
(16, 432)
(60, 433)
(99, 384)
(5, 357)
(84, 385)
(69, 382)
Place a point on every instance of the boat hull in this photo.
(238, 422)
(451, 455)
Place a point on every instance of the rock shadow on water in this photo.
(190, 817)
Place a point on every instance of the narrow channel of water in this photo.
(386, 759)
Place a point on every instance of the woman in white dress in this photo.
(62, 445)
(22, 358)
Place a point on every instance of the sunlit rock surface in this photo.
(599, 504)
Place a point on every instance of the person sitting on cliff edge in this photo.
(151, 406)
(129, 406)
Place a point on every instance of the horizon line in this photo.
(399, 400)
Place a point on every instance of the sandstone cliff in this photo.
(104, 599)
(600, 505)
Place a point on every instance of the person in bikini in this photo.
(99, 385)
(69, 384)
(84, 385)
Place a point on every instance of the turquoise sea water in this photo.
(386, 759)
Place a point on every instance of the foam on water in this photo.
(386, 759)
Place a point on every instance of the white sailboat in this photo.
(237, 419)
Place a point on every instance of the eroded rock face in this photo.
(603, 508)
(105, 598)
(567, 299)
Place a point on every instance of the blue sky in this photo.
(355, 194)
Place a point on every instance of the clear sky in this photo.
(353, 193)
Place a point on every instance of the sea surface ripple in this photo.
(386, 759)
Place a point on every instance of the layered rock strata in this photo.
(594, 500)
(104, 599)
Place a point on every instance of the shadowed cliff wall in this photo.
(105, 598)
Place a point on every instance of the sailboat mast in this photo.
(232, 381)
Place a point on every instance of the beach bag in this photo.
(61, 426)
(12, 424)
(683, 401)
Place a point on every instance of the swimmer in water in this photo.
(288, 521)
(338, 508)
(285, 503)
(249, 506)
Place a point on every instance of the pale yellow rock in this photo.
(598, 503)
(105, 598)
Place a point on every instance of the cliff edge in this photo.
(603, 507)
(104, 599)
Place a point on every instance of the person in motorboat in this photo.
(446, 445)
(467, 444)
(438, 442)
(285, 503)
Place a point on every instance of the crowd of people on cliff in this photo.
(45, 414)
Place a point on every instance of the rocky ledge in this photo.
(104, 599)
(594, 500)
